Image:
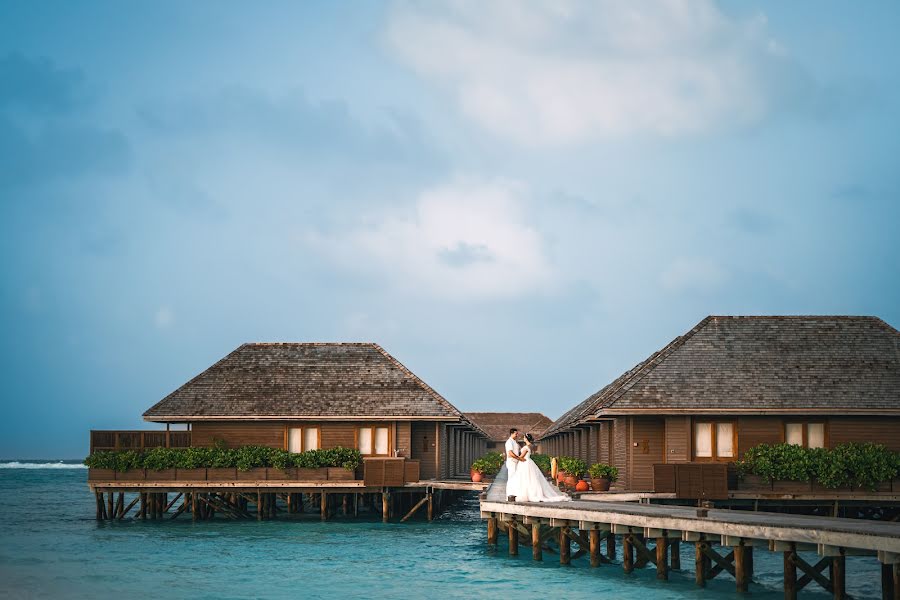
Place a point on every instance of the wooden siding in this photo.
(620, 450)
(235, 434)
(402, 437)
(678, 439)
(649, 434)
(424, 448)
(881, 430)
(752, 431)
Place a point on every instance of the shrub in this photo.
(855, 465)
(542, 461)
(572, 466)
(489, 464)
(244, 458)
(604, 471)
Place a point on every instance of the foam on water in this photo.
(15, 464)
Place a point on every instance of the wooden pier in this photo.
(724, 540)
(265, 500)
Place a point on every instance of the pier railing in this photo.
(138, 440)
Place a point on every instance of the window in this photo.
(714, 440)
(374, 440)
(810, 435)
(300, 439)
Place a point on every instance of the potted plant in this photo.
(574, 468)
(602, 475)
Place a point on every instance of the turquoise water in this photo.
(51, 547)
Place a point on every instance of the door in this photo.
(423, 444)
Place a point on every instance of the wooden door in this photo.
(423, 448)
(647, 448)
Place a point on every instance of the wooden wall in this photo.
(424, 447)
(752, 431)
(881, 430)
(620, 449)
(235, 434)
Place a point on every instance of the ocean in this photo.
(52, 547)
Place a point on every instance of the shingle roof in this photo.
(757, 364)
(498, 424)
(305, 380)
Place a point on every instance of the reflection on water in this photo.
(51, 546)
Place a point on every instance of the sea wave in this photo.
(40, 465)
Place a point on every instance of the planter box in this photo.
(254, 474)
(754, 483)
(131, 475)
(101, 475)
(289, 474)
(340, 474)
(788, 486)
(164, 475)
(221, 474)
(312, 474)
(190, 474)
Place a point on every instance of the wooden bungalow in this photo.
(731, 383)
(303, 396)
(497, 425)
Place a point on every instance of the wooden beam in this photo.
(492, 531)
(838, 581)
(594, 535)
(627, 553)
(740, 568)
(812, 572)
(790, 576)
(662, 566)
(513, 534)
(414, 508)
(565, 548)
(130, 506)
(701, 564)
(536, 542)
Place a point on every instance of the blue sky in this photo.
(519, 201)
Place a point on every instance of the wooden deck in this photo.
(735, 530)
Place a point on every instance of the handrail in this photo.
(135, 439)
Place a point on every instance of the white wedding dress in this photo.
(528, 483)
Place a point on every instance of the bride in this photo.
(528, 483)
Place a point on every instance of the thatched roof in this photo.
(498, 424)
(760, 365)
(305, 380)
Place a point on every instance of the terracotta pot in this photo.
(571, 480)
(476, 477)
(560, 476)
(600, 484)
(582, 486)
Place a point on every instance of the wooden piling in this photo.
(838, 571)
(594, 543)
(790, 575)
(662, 565)
(700, 564)
(565, 546)
(513, 532)
(109, 505)
(611, 546)
(537, 551)
(640, 560)
(740, 568)
(492, 531)
(99, 505)
(385, 506)
(675, 554)
(259, 505)
(627, 553)
(430, 506)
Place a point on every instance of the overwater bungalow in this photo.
(731, 383)
(497, 425)
(300, 397)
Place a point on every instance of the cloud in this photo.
(564, 72)
(467, 239)
(695, 274)
(44, 135)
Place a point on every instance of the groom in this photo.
(512, 457)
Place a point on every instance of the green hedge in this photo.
(572, 466)
(489, 464)
(244, 458)
(856, 465)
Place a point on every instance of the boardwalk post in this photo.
(430, 506)
(790, 575)
(492, 531)
(611, 546)
(675, 554)
(627, 553)
(195, 507)
(565, 546)
(324, 506)
(740, 572)
(595, 547)
(700, 564)
(385, 506)
(887, 582)
(662, 566)
(513, 532)
(537, 551)
(838, 569)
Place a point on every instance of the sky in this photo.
(518, 200)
